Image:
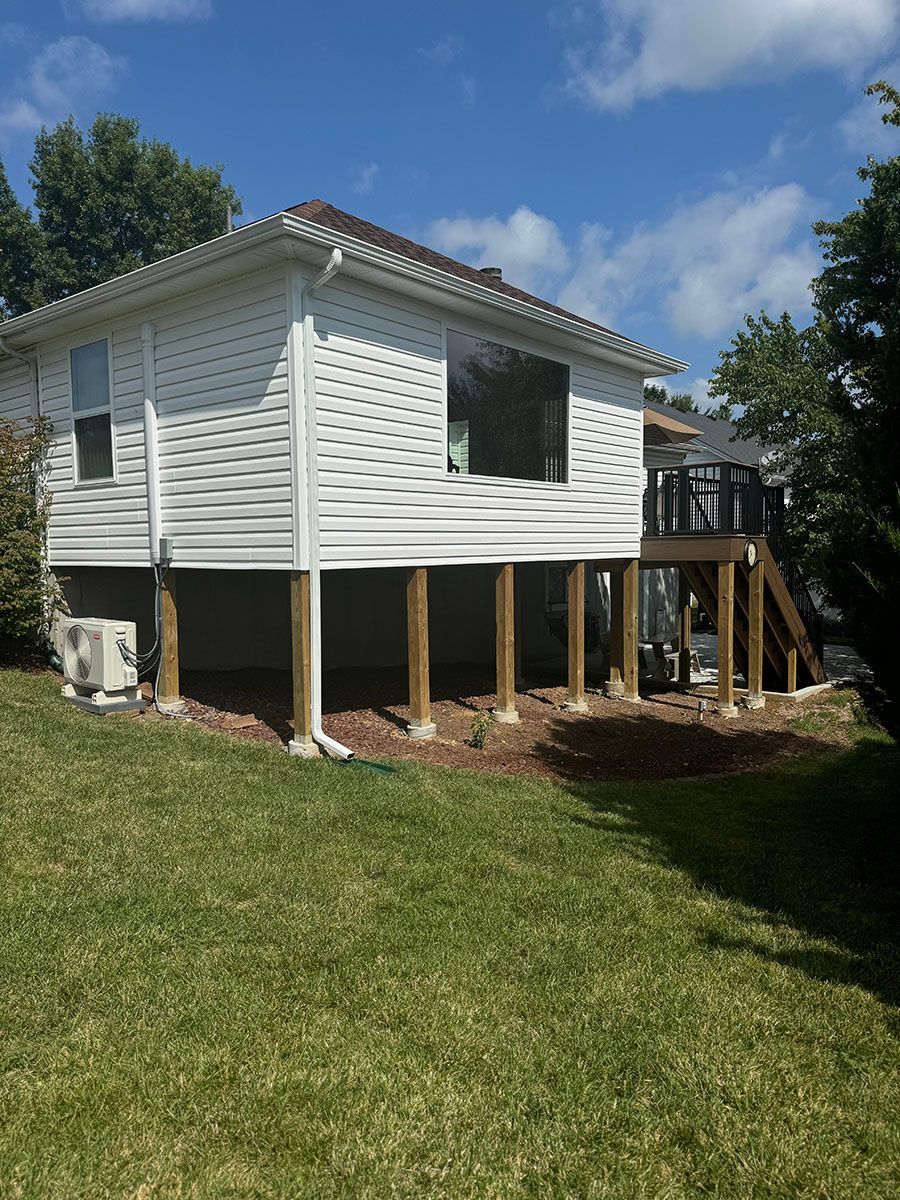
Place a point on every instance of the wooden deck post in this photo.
(505, 711)
(623, 630)
(420, 722)
(792, 669)
(575, 700)
(615, 685)
(630, 584)
(725, 635)
(684, 629)
(301, 667)
(756, 622)
(169, 693)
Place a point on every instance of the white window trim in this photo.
(501, 337)
(105, 480)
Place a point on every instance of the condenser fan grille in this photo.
(79, 655)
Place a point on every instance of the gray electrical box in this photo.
(166, 546)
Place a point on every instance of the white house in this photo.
(314, 398)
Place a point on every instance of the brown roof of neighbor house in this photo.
(326, 215)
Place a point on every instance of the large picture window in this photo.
(507, 411)
(91, 411)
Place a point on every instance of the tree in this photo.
(655, 393)
(107, 202)
(828, 396)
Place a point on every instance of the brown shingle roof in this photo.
(326, 215)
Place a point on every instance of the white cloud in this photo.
(143, 10)
(527, 246)
(698, 388)
(63, 76)
(862, 128)
(644, 48)
(444, 50)
(365, 179)
(701, 269)
(705, 266)
(13, 34)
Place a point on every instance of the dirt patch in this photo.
(660, 737)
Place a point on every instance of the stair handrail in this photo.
(801, 596)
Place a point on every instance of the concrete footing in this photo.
(303, 748)
(505, 716)
(420, 732)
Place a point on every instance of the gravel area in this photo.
(661, 736)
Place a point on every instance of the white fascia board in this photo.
(641, 358)
(126, 291)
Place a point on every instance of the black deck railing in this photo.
(727, 498)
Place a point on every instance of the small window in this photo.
(91, 411)
(507, 411)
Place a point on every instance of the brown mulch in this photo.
(659, 737)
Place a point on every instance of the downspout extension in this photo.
(312, 483)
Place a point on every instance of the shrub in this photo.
(28, 594)
(481, 723)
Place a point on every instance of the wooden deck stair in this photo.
(790, 659)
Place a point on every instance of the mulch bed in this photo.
(660, 737)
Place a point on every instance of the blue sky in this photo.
(652, 165)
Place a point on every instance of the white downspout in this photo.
(312, 486)
(31, 364)
(151, 439)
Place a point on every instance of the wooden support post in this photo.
(684, 629)
(301, 666)
(725, 632)
(755, 633)
(615, 685)
(169, 694)
(630, 583)
(420, 722)
(505, 712)
(792, 669)
(575, 700)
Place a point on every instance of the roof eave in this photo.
(21, 331)
(648, 361)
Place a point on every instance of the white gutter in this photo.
(151, 439)
(31, 364)
(137, 285)
(312, 491)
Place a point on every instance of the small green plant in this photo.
(481, 724)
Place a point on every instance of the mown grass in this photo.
(224, 973)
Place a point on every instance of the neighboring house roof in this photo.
(329, 217)
(719, 437)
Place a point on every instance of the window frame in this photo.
(98, 410)
(525, 346)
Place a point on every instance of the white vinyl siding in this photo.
(386, 497)
(102, 522)
(224, 446)
(15, 390)
(224, 436)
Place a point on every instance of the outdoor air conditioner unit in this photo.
(98, 676)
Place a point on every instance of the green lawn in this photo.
(226, 973)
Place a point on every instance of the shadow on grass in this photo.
(812, 848)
